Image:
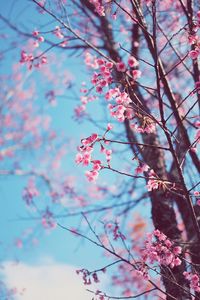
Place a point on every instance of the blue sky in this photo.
(57, 249)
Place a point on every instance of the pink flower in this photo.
(194, 280)
(41, 39)
(99, 89)
(109, 65)
(47, 220)
(25, 57)
(141, 169)
(193, 54)
(114, 16)
(196, 193)
(79, 158)
(109, 127)
(100, 61)
(96, 165)
(177, 250)
(177, 261)
(43, 60)
(92, 175)
(158, 248)
(132, 61)
(98, 7)
(152, 184)
(58, 32)
(121, 67)
(136, 74)
(35, 33)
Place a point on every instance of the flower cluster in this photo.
(88, 276)
(195, 41)
(30, 192)
(48, 221)
(93, 175)
(158, 248)
(154, 183)
(114, 229)
(104, 77)
(84, 156)
(100, 295)
(38, 38)
(194, 281)
(197, 195)
(98, 7)
(29, 58)
(141, 168)
(58, 33)
(120, 110)
(25, 57)
(147, 125)
(132, 63)
(142, 272)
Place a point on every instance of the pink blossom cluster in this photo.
(193, 54)
(158, 248)
(141, 168)
(98, 7)
(194, 40)
(40, 6)
(126, 276)
(194, 281)
(197, 195)
(107, 152)
(120, 110)
(84, 156)
(38, 38)
(132, 63)
(79, 111)
(142, 272)
(104, 77)
(85, 99)
(29, 58)
(48, 221)
(91, 61)
(25, 57)
(148, 128)
(100, 296)
(154, 184)
(115, 231)
(88, 276)
(58, 33)
(30, 192)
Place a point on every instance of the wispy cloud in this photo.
(45, 281)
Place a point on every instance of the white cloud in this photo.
(45, 281)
